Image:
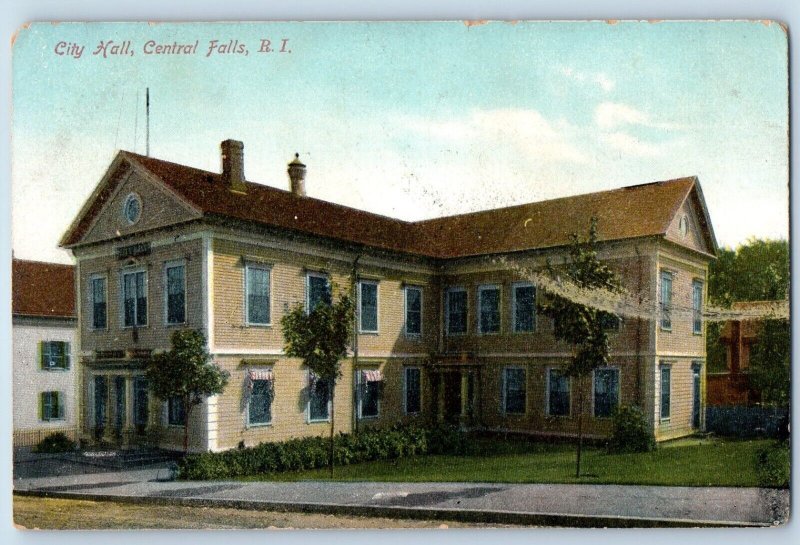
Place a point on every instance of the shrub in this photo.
(55, 442)
(772, 465)
(631, 433)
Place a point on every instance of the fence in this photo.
(29, 438)
(738, 421)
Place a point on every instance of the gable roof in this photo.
(631, 212)
(42, 289)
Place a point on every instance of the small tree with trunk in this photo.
(580, 325)
(320, 337)
(187, 373)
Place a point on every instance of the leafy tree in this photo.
(578, 324)
(770, 362)
(187, 373)
(320, 338)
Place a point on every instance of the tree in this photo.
(578, 324)
(770, 362)
(320, 338)
(186, 373)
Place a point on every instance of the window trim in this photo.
(248, 423)
(377, 284)
(358, 382)
(448, 291)
(664, 273)
(489, 287)
(122, 274)
(165, 278)
(67, 355)
(405, 390)
(697, 283)
(264, 267)
(92, 278)
(315, 274)
(310, 420)
(661, 367)
(504, 392)
(61, 414)
(405, 311)
(619, 388)
(547, 392)
(514, 286)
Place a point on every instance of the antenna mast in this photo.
(147, 118)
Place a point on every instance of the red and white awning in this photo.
(372, 375)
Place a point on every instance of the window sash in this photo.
(524, 311)
(413, 323)
(319, 291)
(52, 406)
(368, 307)
(319, 400)
(369, 397)
(457, 311)
(99, 307)
(413, 390)
(134, 296)
(489, 304)
(259, 410)
(666, 398)
(258, 295)
(666, 300)
(54, 355)
(697, 307)
(176, 412)
(514, 391)
(558, 402)
(141, 411)
(176, 294)
(606, 392)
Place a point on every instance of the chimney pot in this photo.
(297, 176)
(233, 165)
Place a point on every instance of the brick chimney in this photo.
(233, 165)
(297, 176)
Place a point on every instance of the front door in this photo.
(696, 405)
(100, 400)
(452, 397)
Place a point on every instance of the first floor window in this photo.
(319, 399)
(54, 355)
(666, 384)
(318, 290)
(176, 411)
(606, 392)
(369, 393)
(413, 390)
(52, 406)
(456, 311)
(98, 293)
(257, 296)
(259, 406)
(514, 391)
(368, 307)
(413, 311)
(489, 308)
(523, 307)
(176, 294)
(141, 402)
(134, 298)
(558, 402)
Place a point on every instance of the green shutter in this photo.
(59, 405)
(40, 354)
(41, 406)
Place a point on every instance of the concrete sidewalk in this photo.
(534, 504)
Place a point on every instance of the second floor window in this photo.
(523, 307)
(318, 290)
(456, 310)
(489, 305)
(257, 296)
(98, 293)
(697, 307)
(134, 298)
(666, 300)
(413, 311)
(176, 293)
(368, 306)
(54, 355)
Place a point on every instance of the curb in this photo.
(460, 515)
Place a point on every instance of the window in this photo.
(318, 290)
(489, 308)
(54, 355)
(319, 399)
(175, 279)
(514, 391)
(134, 298)
(258, 294)
(51, 406)
(413, 311)
(176, 411)
(697, 307)
(666, 300)
(368, 306)
(523, 307)
(606, 391)
(666, 383)
(132, 208)
(558, 402)
(141, 411)
(369, 393)
(97, 287)
(412, 390)
(261, 393)
(456, 311)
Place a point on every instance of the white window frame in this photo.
(405, 311)
(92, 278)
(263, 267)
(504, 407)
(661, 367)
(455, 289)
(405, 390)
(315, 274)
(697, 283)
(663, 273)
(165, 279)
(309, 420)
(619, 387)
(547, 393)
(377, 329)
(514, 287)
(490, 287)
(250, 424)
(122, 275)
(359, 381)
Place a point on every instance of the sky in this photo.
(411, 120)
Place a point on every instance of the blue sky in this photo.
(414, 120)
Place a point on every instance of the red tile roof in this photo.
(630, 212)
(42, 289)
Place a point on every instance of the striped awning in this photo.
(259, 374)
(372, 375)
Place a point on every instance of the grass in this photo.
(689, 462)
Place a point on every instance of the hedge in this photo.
(313, 452)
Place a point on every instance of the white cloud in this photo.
(609, 115)
(600, 79)
(631, 145)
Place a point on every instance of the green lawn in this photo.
(689, 462)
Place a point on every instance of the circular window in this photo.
(683, 226)
(132, 208)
